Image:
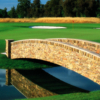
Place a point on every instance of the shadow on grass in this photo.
(68, 26)
(98, 41)
(48, 82)
(42, 62)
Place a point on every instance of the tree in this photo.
(37, 3)
(98, 8)
(20, 12)
(56, 8)
(61, 2)
(92, 8)
(3, 13)
(36, 8)
(68, 7)
(53, 8)
(12, 13)
(79, 8)
(22, 7)
(47, 9)
(42, 9)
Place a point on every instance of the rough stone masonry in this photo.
(80, 56)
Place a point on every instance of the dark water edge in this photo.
(58, 79)
(8, 92)
(73, 78)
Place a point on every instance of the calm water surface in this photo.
(62, 73)
(8, 92)
(72, 78)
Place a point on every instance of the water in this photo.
(8, 92)
(72, 78)
(62, 73)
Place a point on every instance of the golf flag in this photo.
(73, 22)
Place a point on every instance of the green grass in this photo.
(72, 96)
(19, 31)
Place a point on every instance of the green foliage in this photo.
(36, 3)
(54, 8)
(98, 12)
(47, 9)
(12, 13)
(22, 8)
(3, 13)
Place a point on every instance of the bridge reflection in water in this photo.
(38, 83)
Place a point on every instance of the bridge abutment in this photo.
(8, 47)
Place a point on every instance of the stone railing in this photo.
(82, 61)
(88, 45)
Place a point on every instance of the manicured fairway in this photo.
(20, 31)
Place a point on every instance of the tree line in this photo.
(53, 8)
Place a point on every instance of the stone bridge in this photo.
(80, 56)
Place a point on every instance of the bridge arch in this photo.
(70, 56)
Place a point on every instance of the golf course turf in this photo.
(20, 31)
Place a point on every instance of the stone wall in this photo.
(88, 45)
(74, 58)
(25, 86)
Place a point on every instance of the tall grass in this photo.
(68, 20)
(54, 20)
(17, 19)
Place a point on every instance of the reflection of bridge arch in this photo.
(80, 60)
(38, 83)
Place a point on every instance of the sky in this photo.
(10, 3)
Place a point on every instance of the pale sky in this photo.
(10, 3)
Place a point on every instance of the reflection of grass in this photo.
(64, 90)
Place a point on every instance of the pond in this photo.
(8, 92)
(61, 73)
(72, 78)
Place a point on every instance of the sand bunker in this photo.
(97, 28)
(4, 53)
(46, 27)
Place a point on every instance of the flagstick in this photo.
(72, 24)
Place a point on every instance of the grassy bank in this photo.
(72, 96)
(20, 31)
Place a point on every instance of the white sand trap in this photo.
(4, 53)
(46, 27)
(97, 28)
